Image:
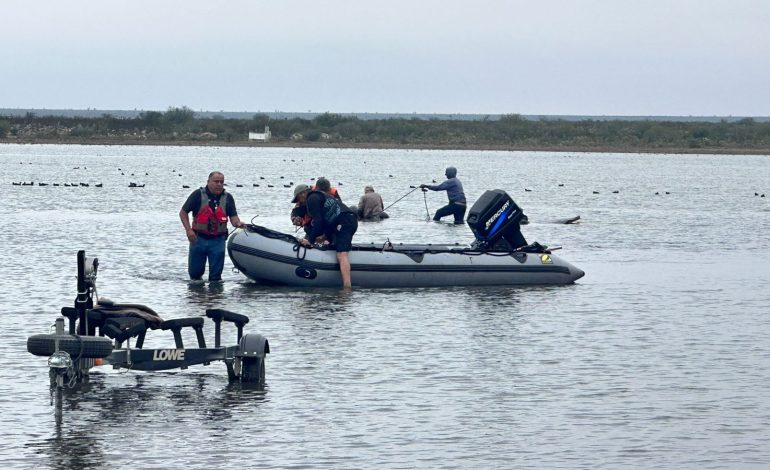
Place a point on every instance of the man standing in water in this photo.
(211, 206)
(454, 191)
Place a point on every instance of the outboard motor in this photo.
(495, 222)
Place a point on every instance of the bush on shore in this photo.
(510, 131)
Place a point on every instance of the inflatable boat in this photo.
(499, 256)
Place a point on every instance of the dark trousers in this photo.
(458, 210)
(211, 249)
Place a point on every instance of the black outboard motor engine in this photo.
(495, 222)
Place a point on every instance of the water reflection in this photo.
(207, 295)
(328, 300)
(70, 448)
(98, 412)
(235, 397)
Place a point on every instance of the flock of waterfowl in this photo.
(32, 183)
(255, 185)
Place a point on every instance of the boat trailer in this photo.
(101, 332)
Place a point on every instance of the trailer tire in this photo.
(82, 346)
(253, 370)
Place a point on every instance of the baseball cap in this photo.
(300, 188)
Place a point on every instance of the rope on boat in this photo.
(299, 248)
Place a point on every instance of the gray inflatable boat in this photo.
(499, 256)
(271, 257)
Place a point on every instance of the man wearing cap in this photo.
(331, 222)
(454, 191)
(370, 205)
(299, 215)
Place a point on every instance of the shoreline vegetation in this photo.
(181, 127)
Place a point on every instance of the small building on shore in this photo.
(260, 136)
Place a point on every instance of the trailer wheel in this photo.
(253, 370)
(83, 346)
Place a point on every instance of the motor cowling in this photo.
(495, 221)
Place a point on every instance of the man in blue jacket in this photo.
(454, 191)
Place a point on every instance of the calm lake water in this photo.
(658, 358)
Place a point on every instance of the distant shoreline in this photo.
(385, 146)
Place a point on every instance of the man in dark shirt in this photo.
(299, 215)
(454, 191)
(211, 206)
(331, 221)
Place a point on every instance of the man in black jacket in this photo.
(332, 221)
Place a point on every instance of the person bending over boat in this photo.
(211, 206)
(454, 191)
(370, 205)
(331, 220)
(299, 215)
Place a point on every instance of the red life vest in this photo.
(208, 221)
(306, 219)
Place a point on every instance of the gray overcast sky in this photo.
(586, 57)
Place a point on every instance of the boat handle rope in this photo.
(245, 226)
(300, 250)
